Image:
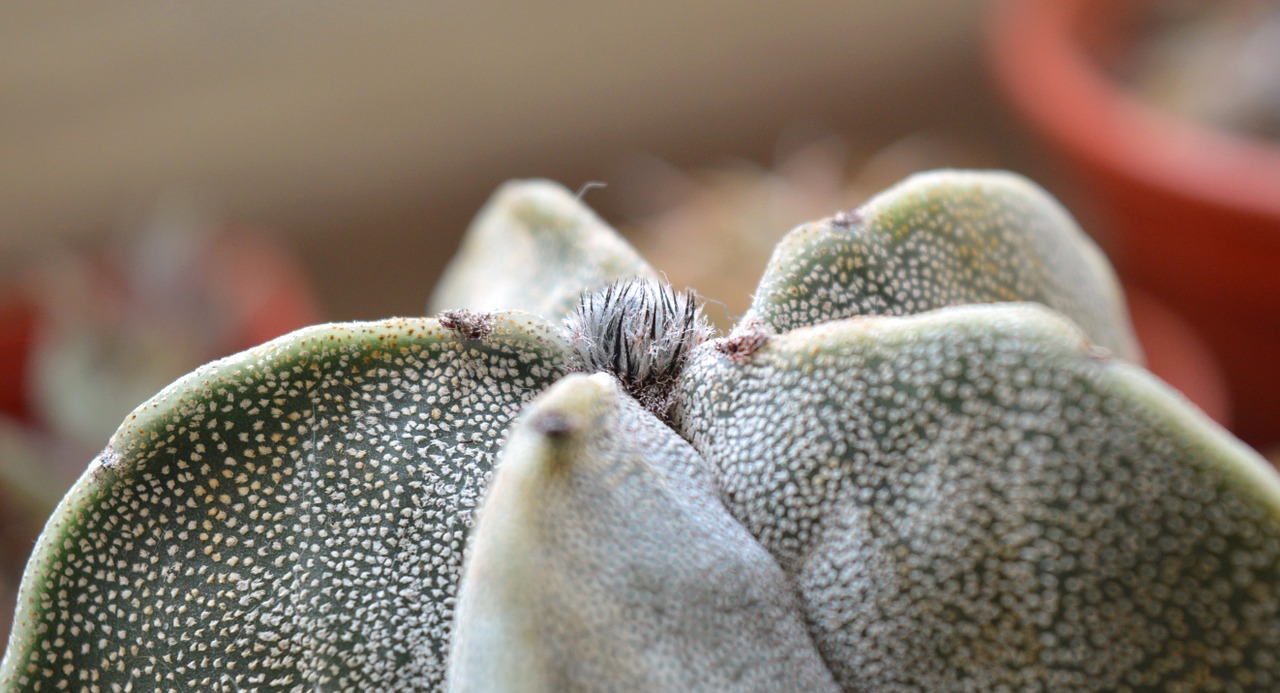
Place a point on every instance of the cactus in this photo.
(926, 459)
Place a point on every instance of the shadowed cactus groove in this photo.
(928, 458)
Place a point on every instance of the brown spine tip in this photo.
(553, 425)
(470, 325)
(745, 341)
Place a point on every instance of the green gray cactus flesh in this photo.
(289, 518)
(546, 579)
(895, 474)
(534, 247)
(938, 239)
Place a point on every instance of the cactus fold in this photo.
(604, 524)
(925, 460)
(944, 238)
(994, 504)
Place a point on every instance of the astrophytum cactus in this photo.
(924, 460)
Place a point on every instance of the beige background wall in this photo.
(370, 132)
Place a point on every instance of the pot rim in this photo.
(1045, 69)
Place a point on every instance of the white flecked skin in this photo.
(945, 238)
(669, 594)
(942, 496)
(992, 506)
(292, 518)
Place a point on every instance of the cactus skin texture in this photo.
(548, 584)
(925, 460)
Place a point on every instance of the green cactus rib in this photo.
(869, 484)
(535, 247)
(291, 518)
(944, 238)
(976, 497)
(603, 560)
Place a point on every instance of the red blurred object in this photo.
(1178, 355)
(1194, 212)
(83, 337)
(18, 317)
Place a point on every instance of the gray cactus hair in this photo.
(640, 330)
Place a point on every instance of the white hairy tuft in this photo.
(640, 330)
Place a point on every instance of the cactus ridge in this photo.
(991, 505)
(547, 575)
(248, 509)
(925, 460)
(944, 238)
(549, 248)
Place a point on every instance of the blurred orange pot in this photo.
(1194, 212)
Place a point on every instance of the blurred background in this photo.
(368, 137)
(182, 181)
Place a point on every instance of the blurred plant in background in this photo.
(87, 336)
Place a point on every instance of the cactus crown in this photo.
(640, 330)
(906, 469)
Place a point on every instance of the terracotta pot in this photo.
(1192, 213)
(1176, 353)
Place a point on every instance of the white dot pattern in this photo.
(944, 239)
(605, 561)
(973, 499)
(968, 500)
(292, 518)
